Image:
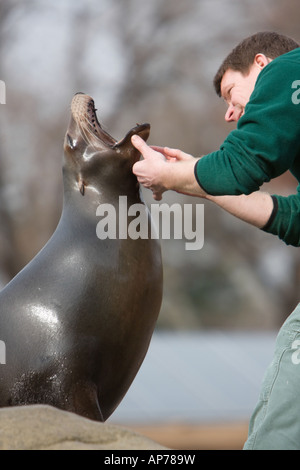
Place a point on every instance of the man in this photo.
(260, 82)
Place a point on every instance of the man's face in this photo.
(237, 88)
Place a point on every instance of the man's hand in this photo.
(163, 169)
(150, 171)
(173, 155)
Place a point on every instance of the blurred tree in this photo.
(7, 265)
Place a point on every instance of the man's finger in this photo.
(171, 154)
(157, 196)
(141, 145)
(157, 148)
(136, 168)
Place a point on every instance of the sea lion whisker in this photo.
(86, 133)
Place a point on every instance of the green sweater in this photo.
(264, 145)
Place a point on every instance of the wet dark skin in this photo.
(78, 319)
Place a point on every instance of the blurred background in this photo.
(152, 62)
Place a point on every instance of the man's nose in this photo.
(234, 113)
(230, 114)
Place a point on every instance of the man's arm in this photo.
(255, 208)
(170, 169)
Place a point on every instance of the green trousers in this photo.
(275, 423)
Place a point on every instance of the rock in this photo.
(41, 427)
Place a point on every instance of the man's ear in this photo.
(261, 60)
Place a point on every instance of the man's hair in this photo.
(241, 58)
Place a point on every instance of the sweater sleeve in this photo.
(265, 142)
(285, 219)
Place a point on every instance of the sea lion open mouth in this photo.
(84, 113)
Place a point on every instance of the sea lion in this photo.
(78, 319)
